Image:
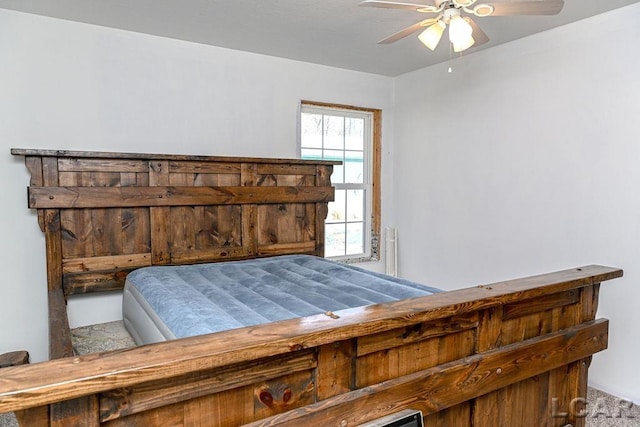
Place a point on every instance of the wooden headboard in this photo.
(105, 214)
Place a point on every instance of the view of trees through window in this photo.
(334, 134)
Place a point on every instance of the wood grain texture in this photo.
(91, 197)
(14, 358)
(441, 387)
(126, 401)
(60, 345)
(155, 156)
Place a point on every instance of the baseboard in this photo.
(615, 393)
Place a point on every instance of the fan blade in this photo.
(405, 6)
(478, 35)
(407, 31)
(531, 7)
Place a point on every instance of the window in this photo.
(350, 135)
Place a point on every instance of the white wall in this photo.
(65, 85)
(526, 159)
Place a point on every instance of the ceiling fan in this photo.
(463, 31)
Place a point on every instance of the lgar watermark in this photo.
(601, 407)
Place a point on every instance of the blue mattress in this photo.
(168, 302)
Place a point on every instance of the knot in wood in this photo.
(266, 397)
(296, 347)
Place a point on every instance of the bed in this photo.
(169, 302)
(509, 353)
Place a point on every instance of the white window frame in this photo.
(371, 175)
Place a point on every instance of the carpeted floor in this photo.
(604, 410)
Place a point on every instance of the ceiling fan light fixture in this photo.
(432, 35)
(463, 44)
(428, 9)
(483, 10)
(464, 3)
(460, 33)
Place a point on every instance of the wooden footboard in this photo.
(514, 353)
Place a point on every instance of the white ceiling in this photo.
(331, 32)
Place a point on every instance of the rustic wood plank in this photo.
(101, 165)
(106, 231)
(128, 179)
(446, 385)
(285, 223)
(170, 415)
(34, 166)
(249, 229)
(14, 358)
(183, 230)
(249, 175)
(267, 229)
(249, 220)
(92, 179)
(53, 244)
(284, 169)
(489, 337)
(123, 402)
(229, 218)
(335, 374)
(135, 231)
(176, 157)
(456, 416)
(159, 217)
(112, 262)
(34, 417)
(82, 411)
(305, 222)
(91, 197)
(522, 308)
(60, 345)
(414, 333)
(160, 240)
(95, 281)
(204, 167)
(50, 172)
(215, 410)
(589, 302)
(77, 233)
(208, 255)
(287, 248)
(529, 326)
(283, 394)
(323, 178)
